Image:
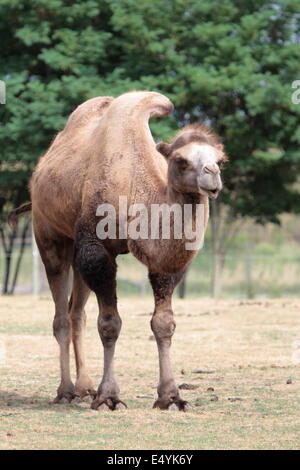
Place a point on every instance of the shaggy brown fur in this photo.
(105, 151)
(193, 133)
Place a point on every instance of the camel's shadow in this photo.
(11, 402)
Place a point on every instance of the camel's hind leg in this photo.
(80, 294)
(98, 269)
(56, 253)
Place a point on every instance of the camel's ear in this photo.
(164, 149)
(225, 158)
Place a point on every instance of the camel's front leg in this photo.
(98, 269)
(163, 326)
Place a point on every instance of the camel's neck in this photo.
(185, 224)
(194, 209)
(174, 197)
(170, 196)
(127, 118)
(125, 133)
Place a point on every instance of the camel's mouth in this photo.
(211, 193)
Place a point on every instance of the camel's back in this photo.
(57, 181)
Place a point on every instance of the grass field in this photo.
(250, 348)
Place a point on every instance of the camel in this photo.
(106, 150)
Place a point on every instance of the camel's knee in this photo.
(109, 326)
(78, 320)
(163, 325)
(61, 328)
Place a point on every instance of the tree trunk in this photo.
(8, 244)
(217, 270)
(182, 287)
(248, 263)
(20, 256)
(216, 264)
(224, 227)
(8, 250)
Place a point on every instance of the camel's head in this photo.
(195, 158)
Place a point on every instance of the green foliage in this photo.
(229, 63)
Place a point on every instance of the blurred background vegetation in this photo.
(229, 64)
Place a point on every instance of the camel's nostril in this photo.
(211, 169)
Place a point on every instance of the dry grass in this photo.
(250, 346)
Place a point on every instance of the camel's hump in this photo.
(88, 110)
(152, 103)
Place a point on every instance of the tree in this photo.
(230, 64)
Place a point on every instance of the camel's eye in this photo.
(182, 163)
(221, 164)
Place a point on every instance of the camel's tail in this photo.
(13, 215)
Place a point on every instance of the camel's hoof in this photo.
(76, 399)
(63, 398)
(172, 404)
(106, 404)
(92, 393)
(173, 407)
(103, 407)
(180, 406)
(86, 395)
(121, 406)
(88, 398)
(61, 401)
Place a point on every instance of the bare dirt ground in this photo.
(247, 395)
